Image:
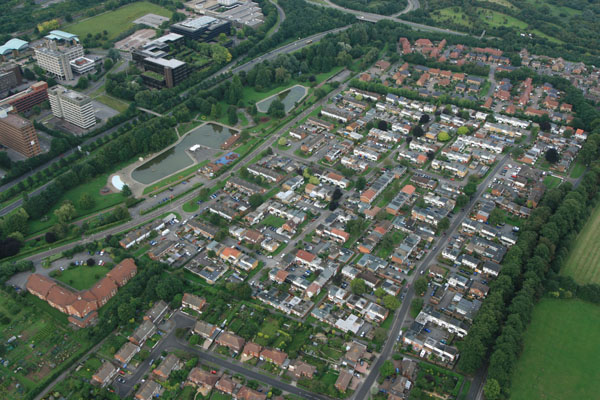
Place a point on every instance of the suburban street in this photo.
(363, 390)
(170, 342)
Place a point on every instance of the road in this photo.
(170, 343)
(362, 391)
(370, 17)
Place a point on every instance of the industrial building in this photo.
(18, 133)
(72, 106)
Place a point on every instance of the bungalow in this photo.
(231, 341)
(300, 369)
(245, 393)
(343, 380)
(252, 350)
(204, 329)
(202, 379)
(274, 356)
(225, 385)
(193, 302)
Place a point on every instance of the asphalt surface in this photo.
(362, 391)
(170, 342)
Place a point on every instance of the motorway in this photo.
(170, 343)
(363, 390)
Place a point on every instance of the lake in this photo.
(176, 158)
(288, 97)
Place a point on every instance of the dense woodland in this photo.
(384, 7)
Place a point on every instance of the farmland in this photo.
(559, 360)
(583, 263)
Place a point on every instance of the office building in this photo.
(160, 72)
(10, 77)
(202, 28)
(56, 54)
(72, 106)
(23, 101)
(18, 133)
(82, 65)
(13, 48)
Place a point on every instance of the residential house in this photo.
(193, 302)
(169, 364)
(231, 341)
(157, 312)
(148, 390)
(126, 353)
(105, 374)
(145, 330)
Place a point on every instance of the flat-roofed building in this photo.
(18, 133)
(72, 106)
(24, 101)
(203, 28)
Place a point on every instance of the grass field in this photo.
(83, 277)
(560, 356)
(583, 263)
(115, 104)
(552, 181)
(118, 21)
(496, 19)
(577, 170)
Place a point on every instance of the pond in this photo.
(209, 135)
(288, 97)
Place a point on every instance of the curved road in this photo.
(370, 17)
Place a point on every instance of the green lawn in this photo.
(115, 104)
(583, 263)
(92, 187)
(496, 19)
(118, 21)
(577, 170)
(274, 221)
(83, 277)
(560, 356)
(552, 181)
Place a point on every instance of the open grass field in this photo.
(560, 356)
(115, 104)
(83, 277)
(43, 344)
(118, 21)
(583, 263)
(496, 19)
(92, 187)
(577, 170)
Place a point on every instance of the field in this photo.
(583, 263)
(43, 344)
(559, 360)
(83, 277)
(577, 170)
(115, 104)
(116, 22)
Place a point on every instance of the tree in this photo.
(387, 368)
(424, 119)
(50, 237)
(276, 109)
(496, 217)
(417, 131)
(194, 340)
(545, 123)
(108, 64)
(470, 189)
(86, 201)
(421, 286)
(461, 200)
(126, 191)
(232, 117)
(256, 200)
(443, 225)
(463, 130)
(65, 213)
(361, 182)
(552, 155)
(491, 389)
(383, 125)
(90, 262)
(416, 306)
(443, 136)
(379, 292)
(125, 311)
(358, 286)
(391, 302)
(83, 83)
(282, 141)
(313, 180)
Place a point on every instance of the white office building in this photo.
(56, 60)
(72, 106)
